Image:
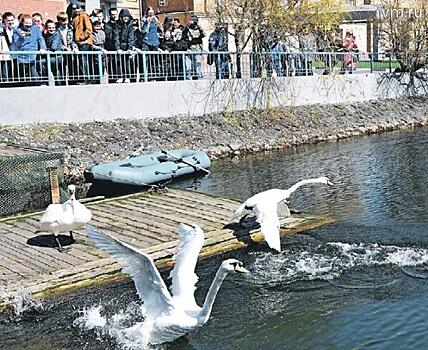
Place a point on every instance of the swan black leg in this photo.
(71, 235)
(58, 243)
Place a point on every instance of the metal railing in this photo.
(97, 67)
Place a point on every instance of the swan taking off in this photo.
(265, 205)
(68, 216)
(167, 317)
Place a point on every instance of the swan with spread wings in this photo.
(167, 316)
(266, 205)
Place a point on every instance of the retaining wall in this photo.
(84, 103)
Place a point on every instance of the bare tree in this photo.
(403, 31)
(253, 23)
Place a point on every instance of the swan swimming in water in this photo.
(167, 317)
(266, 205)
(68, 216)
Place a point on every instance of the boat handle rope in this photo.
(194, 166)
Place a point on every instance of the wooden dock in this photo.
(146, 220)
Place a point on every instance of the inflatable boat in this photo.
(150, 168)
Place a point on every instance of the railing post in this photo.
(100, 67)
(306, 63)
(218, 66)
(48, 64)
(184, 66)
(371, 61)
(390, 62)
(145, 73)
(330, 68)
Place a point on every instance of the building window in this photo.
(162, 2)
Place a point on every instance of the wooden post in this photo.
(53, 177)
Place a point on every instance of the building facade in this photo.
(47, 8)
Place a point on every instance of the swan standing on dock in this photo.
(266, 205)
(68, 216)
(167, 317)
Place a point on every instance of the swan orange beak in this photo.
(241, 269)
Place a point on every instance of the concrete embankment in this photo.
(220, 134)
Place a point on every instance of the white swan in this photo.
(68, 216)
(266, 205)
(167, 317)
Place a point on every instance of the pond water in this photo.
(360, 283)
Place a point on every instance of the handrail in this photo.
(81, 67)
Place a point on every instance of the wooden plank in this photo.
(180, 214)
(205, 210)
(136, 224)
(148, 216)
(126, 230)
(173, 217)
(155, 218)
(36, 257)
(68, 256)
(228, 207)
(48, 255)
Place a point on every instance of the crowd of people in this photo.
(120, 39)
(113, 48)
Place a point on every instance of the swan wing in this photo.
(267, 217)
(183, 274)
(150, 286)
(82, 215)
(61, 214)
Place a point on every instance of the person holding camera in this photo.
(150, 42)
(28, 37)
(6, 37)
(194, 34)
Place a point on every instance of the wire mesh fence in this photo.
(25, 179)
(94, 67)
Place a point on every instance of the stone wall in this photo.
(220, 134)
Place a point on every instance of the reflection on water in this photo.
(358, 283)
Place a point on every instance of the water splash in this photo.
(91, 318)
(121, 326)
(21, 302)
(331, 260)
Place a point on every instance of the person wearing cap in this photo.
(218, 42)
(194, 34)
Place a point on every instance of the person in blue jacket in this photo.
(28, 37)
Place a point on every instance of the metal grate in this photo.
(24, 178)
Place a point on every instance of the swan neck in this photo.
(212, 293)
(72, 197)
(300, 183)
